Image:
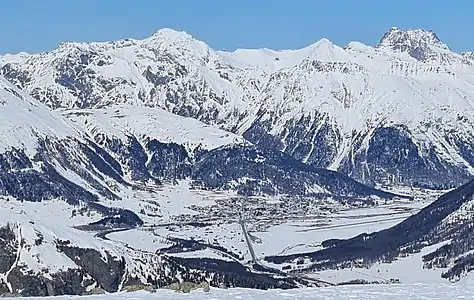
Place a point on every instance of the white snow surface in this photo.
(154, 123)
(409, 270)
(24, 120)
(353, 88)
(464, 290)
(50, 220)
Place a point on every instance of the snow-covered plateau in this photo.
(141, 164)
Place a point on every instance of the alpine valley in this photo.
(143, 164)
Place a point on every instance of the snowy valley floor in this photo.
(178, 212)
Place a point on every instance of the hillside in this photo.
(438, 239)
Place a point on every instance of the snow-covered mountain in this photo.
(143, 122)
(399, 112)
(150, 143)
(51, 179)
(44, 155)
(71, 178)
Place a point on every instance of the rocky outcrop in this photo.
(186, 287)
(107, 271)
(69, 282)
(139, 287)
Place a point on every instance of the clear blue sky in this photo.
(40, 25)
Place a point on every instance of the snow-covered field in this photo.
(463, 290)
(303, 235)
(409, 270)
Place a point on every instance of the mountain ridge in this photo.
(322, 104)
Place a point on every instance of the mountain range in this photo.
(99, 138)
(396, 113)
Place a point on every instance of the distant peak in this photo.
(325, 50)
(71, 47)
(179, 42)
(354, 45)
(396, 36)
(414, 41)
(324, 41)
(170, 34)
(68, 44)
(468, 57)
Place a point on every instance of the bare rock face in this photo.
(8, 244)
(4, 290)
(416, 42)
(107, 274)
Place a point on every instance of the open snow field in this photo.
(462, 290)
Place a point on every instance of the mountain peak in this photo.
(326, 50)
(398, 37)
(181, 43)
(324, 41)
(171, 34)
(414, 41)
